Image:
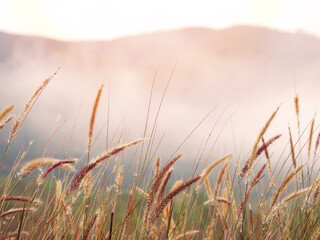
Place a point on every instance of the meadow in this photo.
(260, 197)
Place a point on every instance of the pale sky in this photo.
(103, 19)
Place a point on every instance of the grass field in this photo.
(255, 198)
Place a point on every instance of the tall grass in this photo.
(86, 199)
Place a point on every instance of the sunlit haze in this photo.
(168, 119)
(244, 57)
(100, 19)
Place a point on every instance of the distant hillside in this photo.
(253, 69)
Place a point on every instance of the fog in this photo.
(243, 73)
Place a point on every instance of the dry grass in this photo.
(93, 202)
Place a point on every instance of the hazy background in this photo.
(245, 58)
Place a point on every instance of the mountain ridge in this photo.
(184, 29)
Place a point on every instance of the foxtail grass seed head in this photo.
(297, 108)
(54, 166)
(164, 185)
(76, 181)
(247, 194)
(157, 166)
(207, 171)
(265, 145)
(208, 188)
(220, 178)
(268, 163)
(153, 192)
(93, 116)
(67, 216)
(315, 196)
(19, 198)
(17, 124)
(3, 123)
(40, 162)
(310, 137)
(317, 145)
(224, 202)
(89, 227)
(142, 192)
(16, 210)
(210, 229)
(166, 168)
(58, 194)
(6, 111)
(176, 184)
(114, 151)
(258, 176)
(295, 195)
(165, 201)
(251, 221)
(86, 183)
(230, 188)
(247, 171)
(218, 200)
(294, 162)
(250, 161)
(284, 185)
(118, 178)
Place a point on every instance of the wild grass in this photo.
(257, 198)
